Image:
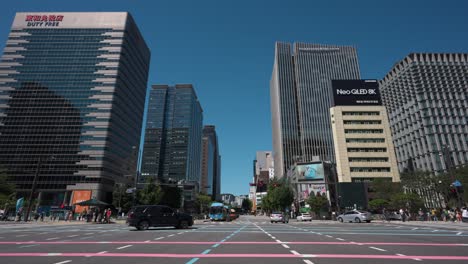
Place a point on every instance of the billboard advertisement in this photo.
(80, 196)
(313, 171)
(356, 92)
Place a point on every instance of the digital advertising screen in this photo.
(313, 171)
(356, 92)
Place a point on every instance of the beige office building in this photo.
(362, 138)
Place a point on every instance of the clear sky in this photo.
(226, 48)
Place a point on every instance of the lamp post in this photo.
(33, 188)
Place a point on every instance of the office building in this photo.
(300, 90)
(211, 178)
(361, 133)
(263, 171)
(426, 96)
(72, 91)
(173, 138)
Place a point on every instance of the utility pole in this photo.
(450, 170)
(33, 189)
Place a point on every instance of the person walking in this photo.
(108, 215)
(465, 215)
(402, 214)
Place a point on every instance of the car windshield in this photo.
(216, 210)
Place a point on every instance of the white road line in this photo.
(434, 231)
(340, 239)
(401, 255)
(285, 246)
(147, 241)
(294, 252)
(415, 228)
(279, 241)
(52, 238)
(89, 233)
(73, 236)
(417, 259)
(459, 233)
(180, 233)
(63, 262)
(124, 247)
(379, 249)
(328, 236)
(21, 235)
(171, 235)
(102, 252)
(308, 261)
(273, 237)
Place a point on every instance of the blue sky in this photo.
(226, 49)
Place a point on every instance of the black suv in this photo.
(144, 216)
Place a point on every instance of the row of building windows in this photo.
(367, 149)
(365, 140)
(362, 122)
(368, 159)
(363, 131)
(361, 113)
(369, 169)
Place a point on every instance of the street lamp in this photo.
(33, 188)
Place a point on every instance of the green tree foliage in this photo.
(411, 201)
(378, 204)
(279, 195)
(203, 202)
(150, 194)
(7, 192)
(122, 199)
(171, 196)
(247, 204)
(384, 189)
(318, 203)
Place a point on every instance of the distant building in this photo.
(228, 198)
(173, 138)
(239, 199)
(211, 160)
(300, 90)
(73, 89)
(263, 172)
(361, 133)
(426, 95)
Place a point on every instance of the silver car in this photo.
(355, 216)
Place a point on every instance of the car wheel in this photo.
(357, 220)
(368, 221)
(340, 219)
(310, 220)
(272, 222)
(183, 224)
(143, 225)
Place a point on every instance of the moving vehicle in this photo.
(233, 214)
(144, 216)
(355, 216)
(276, 217)
(219, 212)
(304, 217)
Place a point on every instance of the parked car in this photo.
(304, 217)
(394, 216)
(355, 216)
(276, 217)
(145, 216)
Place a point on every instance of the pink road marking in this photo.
(232, 243)
(152, 255)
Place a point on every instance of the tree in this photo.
(247, 205)
(384, 189)
(318, 203)
(122, 199)
(7, 192)
(151, 194)
(411, 201)
(378, 204)
(171, 196)
(279, 196)
(203, 202)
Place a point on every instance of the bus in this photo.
(219, 212)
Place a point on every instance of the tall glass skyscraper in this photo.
(173, 135)
(211, 160)
(300, 89)
(72, 93)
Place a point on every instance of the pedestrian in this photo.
(95, 214)
(402, 214)
(42, 216)
(384, 214)
(109, 213)
(434, 215)
(465, 215)
(459, 215)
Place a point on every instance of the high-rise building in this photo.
(211, 178)
(300, 89)
(361, 133)
(72, 89)
(427, 103)
(263, 171)
(173, 136)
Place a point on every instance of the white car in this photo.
(304, 217)
(355, 216)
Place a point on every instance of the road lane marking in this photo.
(26, 246)
(294, 252)
(329, 236)
(148, 241)
(308, 261)
(127, 246)
(102, 252)
(158, 238)
(88, 234)
(415, 228)
(54, 254)
(398, 254)
(340, 239)
(180, 233)
(379, 249)
(63, 262)
(171, 235)
(285, 246)
(73, 236)
(21, 235)
(434, 231)
(52, 238)
(459, 233)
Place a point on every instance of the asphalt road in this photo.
(246, 240)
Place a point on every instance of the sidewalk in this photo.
(431, 224)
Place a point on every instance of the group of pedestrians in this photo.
(444, 214)
(96, 215)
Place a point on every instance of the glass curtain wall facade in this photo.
(72, 92)
(300, 90)
(173, 135)
(427, 102)
(211, 177)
